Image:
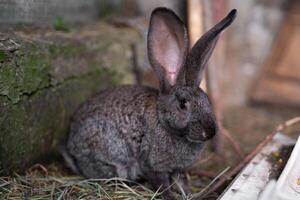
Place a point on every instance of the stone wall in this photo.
(45, 12)
(45, 75)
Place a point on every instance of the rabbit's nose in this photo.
(204, 135)
(207, 135)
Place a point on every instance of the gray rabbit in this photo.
(137, 132)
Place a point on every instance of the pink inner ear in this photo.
(168, 52)
(172, 76)
(173, 65)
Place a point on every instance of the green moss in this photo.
(41, 121)
(42, 84)
(25, 73)
(3, 56)
(69, 50)
(61, 25)
(28, 70)
(8, 83)
(33, 73)
(106, 8)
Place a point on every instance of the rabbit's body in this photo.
(120, 136)
(139, 132)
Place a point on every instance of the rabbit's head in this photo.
(182, 106)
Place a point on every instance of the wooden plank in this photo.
(289, 65)
(253, 179)
(278, 91)
(196, 26)
(279, 82)
(287, 186)
(195, 20)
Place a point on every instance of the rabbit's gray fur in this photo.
(137, 132)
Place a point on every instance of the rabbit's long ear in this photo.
(167, 46)
(202, 50)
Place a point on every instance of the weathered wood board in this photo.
(253, 179)
(279, 81)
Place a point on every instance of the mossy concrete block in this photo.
(46, 77)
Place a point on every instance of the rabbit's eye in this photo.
(182, 103)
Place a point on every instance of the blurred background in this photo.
(54, 54)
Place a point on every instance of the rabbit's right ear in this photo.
(167, 47)
(203, 49)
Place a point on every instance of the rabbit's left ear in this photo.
(203, 49)
(167, 46)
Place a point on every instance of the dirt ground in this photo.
(250, 124)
